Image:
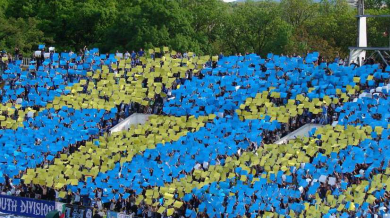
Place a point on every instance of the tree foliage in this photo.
(21, 33)
(202, 26)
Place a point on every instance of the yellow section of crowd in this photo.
(118, 89)
(120, 147)
(105, 89)
(271, 157)
(260, 106)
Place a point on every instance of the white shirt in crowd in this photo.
(99, 194)
(127, 55)
(99, 204)
(77, 197)
(205, 165)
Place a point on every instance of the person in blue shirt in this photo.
(220, 56)
(133, 55)
(141, 52)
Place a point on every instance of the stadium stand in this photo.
(208, 148)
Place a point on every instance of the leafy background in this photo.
(202, 26)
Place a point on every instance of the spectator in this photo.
(141, 53)
(127, 55)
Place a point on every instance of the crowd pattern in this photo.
(210, 148)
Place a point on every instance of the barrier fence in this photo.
(75, 211)
(112, 214)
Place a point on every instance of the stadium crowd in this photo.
(340, 111)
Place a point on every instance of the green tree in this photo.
(375, 4)
(207, 18)
(331, 30)
(150, 23)
(256, 27)
(377, 28)
(297, 12)
(3, 6)
(21, 33)
(202, 26)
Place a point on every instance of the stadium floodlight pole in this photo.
(359, 52)
(362, 32)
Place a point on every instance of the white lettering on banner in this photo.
(38, 209)
(88, 214)
(25, 206)
(14, 205)
(7, 204)
(48, 209)
(2, 203)
(29, 206)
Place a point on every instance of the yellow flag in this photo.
(170, 211)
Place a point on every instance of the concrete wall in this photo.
(132, 120)
(303, 131)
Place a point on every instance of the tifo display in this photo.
(208, 149)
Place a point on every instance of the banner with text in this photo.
(75, 211)
(25, 206)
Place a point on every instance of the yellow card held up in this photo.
(170, 211)
(161, 210)
(178, 204)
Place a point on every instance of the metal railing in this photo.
(26, 61)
